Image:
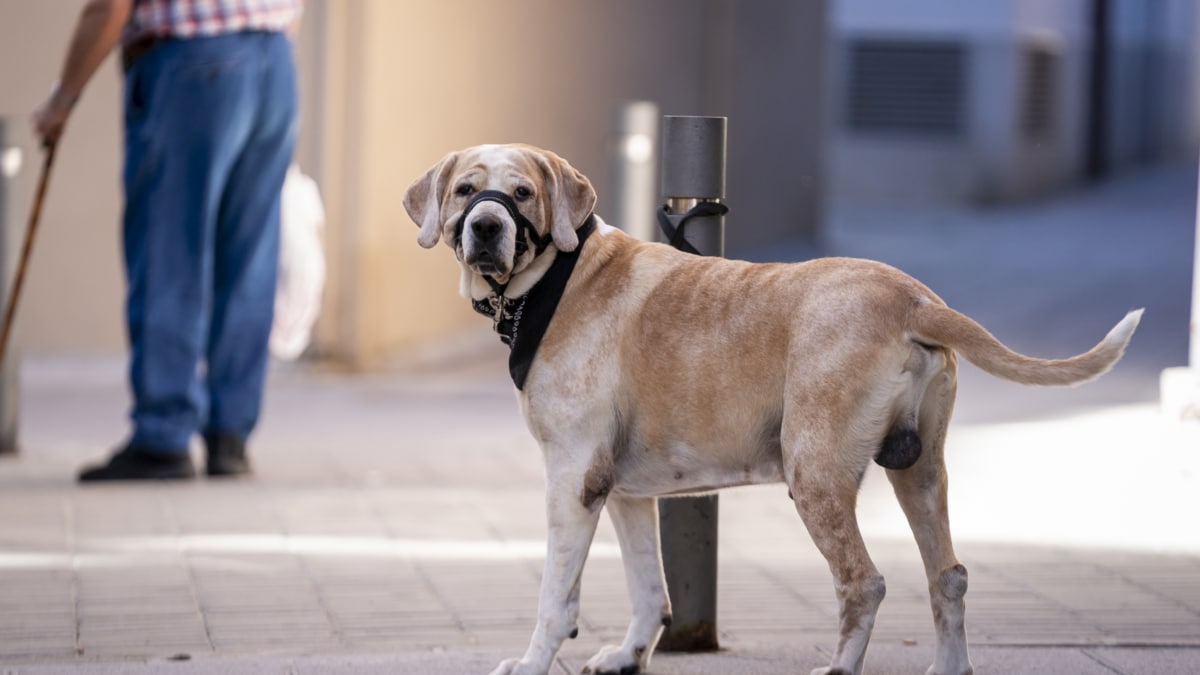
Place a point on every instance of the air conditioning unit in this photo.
(951, 118)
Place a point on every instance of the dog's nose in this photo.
(486, 228)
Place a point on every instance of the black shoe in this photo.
(226, 454)
(138, 463)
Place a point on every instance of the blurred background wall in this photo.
(936, 100)
(394, 86)
(389, 88)
(73, 293)
(1007, 99)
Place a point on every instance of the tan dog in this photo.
(663, 373)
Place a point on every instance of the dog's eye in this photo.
(522, 193)
(464, 190)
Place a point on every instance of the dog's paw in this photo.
(517, 667)
(612, 660)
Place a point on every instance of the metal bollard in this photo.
(1194, 341)
(631, 161)
(1179, 387)
(10, 166)
(693, 173)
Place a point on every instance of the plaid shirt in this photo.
(191, 18)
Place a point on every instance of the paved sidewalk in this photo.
(408, 538)
(395, 521)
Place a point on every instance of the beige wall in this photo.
(388, 88)
(406, 82)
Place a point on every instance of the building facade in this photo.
(1008, 99)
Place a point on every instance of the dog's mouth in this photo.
(487, 263)
(486, 235)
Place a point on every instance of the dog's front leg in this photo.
(636, 522)
(571, 525)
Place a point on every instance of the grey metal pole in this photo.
(1179, 387)
(693, 171)
(632, 153)
(1187, 389)
(10, 166)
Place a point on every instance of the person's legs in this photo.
(189, 109)
(246, 260)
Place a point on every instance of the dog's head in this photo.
(489, 232)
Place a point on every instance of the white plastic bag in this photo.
(301, 265)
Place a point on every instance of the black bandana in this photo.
(521, 322)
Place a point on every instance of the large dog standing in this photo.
(663, 373)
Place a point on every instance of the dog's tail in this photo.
(932, 322)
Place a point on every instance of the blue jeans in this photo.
(210, 124)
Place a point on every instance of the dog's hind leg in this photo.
(636, 522)
(921, 490)
(571, 525)
(826, 490)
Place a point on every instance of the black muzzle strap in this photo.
(674, 231)
(526, 232)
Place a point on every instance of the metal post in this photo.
(632, 150)
(1179, 387)
(1194, 325)
(10, 166)
(693, 171)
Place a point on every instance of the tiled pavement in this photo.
(378, 555)
(395, 521)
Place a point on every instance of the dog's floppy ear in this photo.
(571, 199)
(423, 200)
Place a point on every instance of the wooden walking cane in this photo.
(35, 213)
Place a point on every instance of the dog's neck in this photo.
(532, 295)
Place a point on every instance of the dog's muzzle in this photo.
(487, 229)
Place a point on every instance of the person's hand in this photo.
(50, 118)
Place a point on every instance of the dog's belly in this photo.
(687, 469)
